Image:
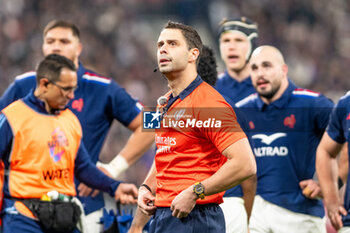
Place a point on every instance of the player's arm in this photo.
(139, 222)
(138, 143)
(327, 174)
(6, 137)
(249, 191)
(239, 167)
(343, 164)
(86, 172)
(147, 193)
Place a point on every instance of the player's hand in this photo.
(85, 191)
(334, 212)
(184, 203)
(146, 201)
(311, 189)
(126, 193)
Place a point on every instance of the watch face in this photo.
(198, 188)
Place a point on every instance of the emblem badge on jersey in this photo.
(57, 143)
(78, 104)
(348, 117)
(289, 121)
(151, 120)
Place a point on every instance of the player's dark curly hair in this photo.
(207, 66)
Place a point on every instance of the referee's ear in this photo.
(194, 55)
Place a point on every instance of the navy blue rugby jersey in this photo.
(338, 130)
(97, 102)
(284, 136)
(234, 91)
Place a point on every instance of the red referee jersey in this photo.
(197, 127)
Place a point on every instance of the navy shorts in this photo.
(203, 219)
(21, 224)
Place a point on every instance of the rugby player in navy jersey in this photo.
(336, 136)
(98, 101)
(284, 124)
(237, 40)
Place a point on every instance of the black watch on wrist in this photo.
(198, 189)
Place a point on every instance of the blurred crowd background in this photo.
(119, 41)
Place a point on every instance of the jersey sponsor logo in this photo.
(269, 139)
(167, 143)
(166, 140)
(56, 174)
(270, 150)
(78, 104)
(57, 143)
(289, 121)
(163, 149)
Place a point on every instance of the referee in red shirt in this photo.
(201, 149)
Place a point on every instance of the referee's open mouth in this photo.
(164, 61)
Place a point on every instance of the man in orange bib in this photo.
(41, 146)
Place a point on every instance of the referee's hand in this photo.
(146, 201)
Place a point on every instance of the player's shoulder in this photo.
(308, 96)
(95, 78)
(221, 75)
(221, 79)
(344, 100)
(30, 75)
(305, 93)
(250, 99)
(346, 96)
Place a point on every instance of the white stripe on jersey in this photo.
(139, 106)
(25, 75)
(246, 100)
(306, 92)
(2, 119)
(346, 95)
(221, 75)
(96, 78)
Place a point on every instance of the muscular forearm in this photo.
(249, 190)
(151, 178)
(326, 168)
(239, 167)
(139, 222)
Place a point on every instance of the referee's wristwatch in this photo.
(198, 189)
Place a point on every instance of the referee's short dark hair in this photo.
(192, 37)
